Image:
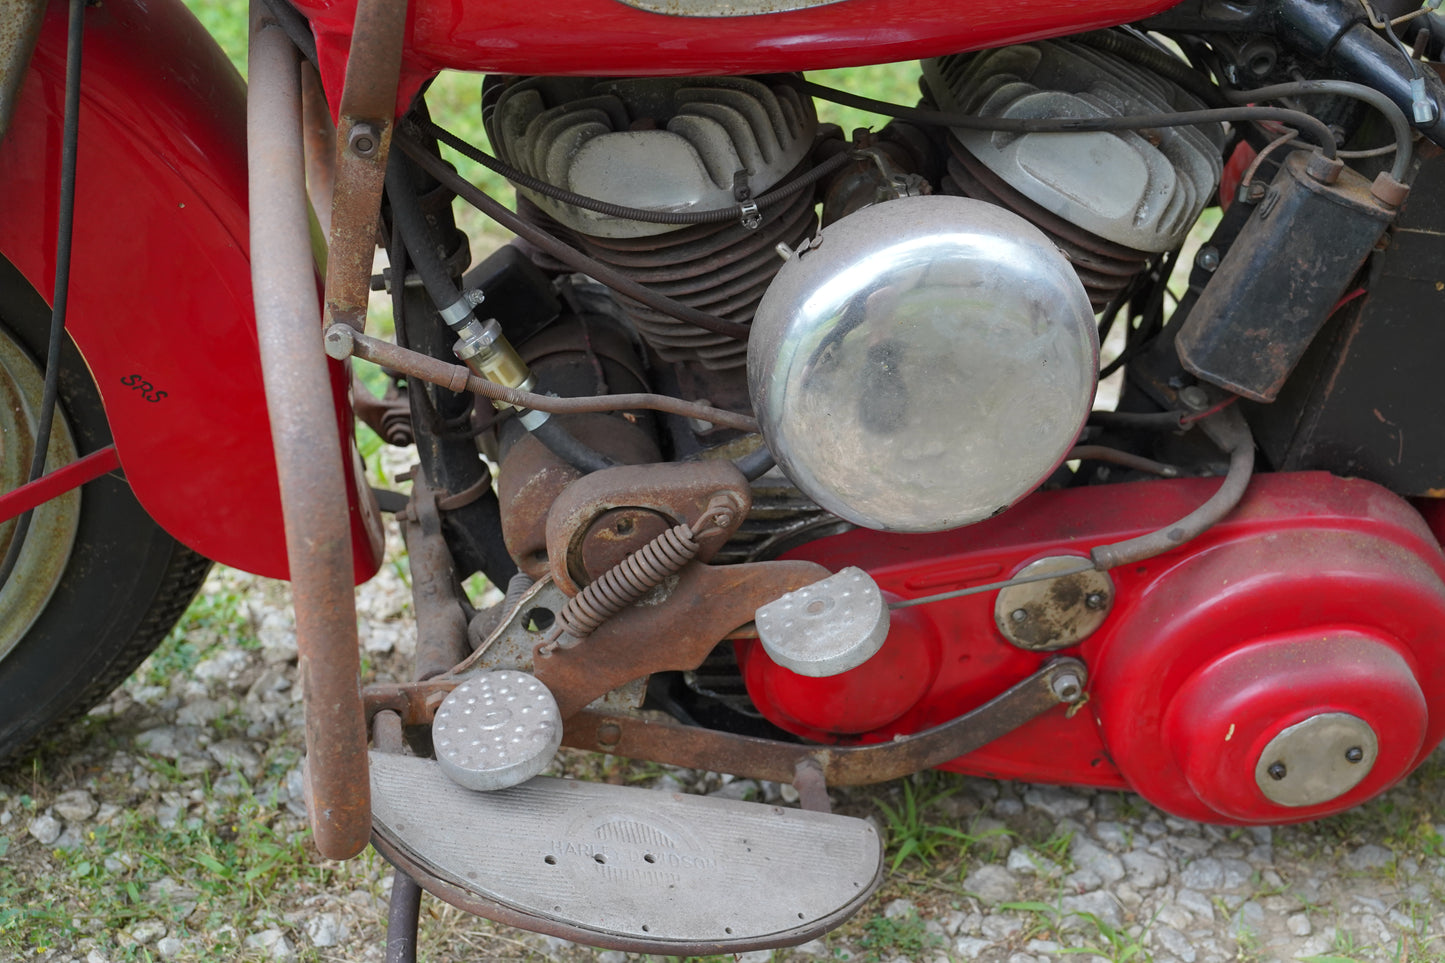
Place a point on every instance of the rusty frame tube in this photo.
(440, 622)
(20, 22)
(308, 445)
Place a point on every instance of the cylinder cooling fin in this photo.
(1109, 199)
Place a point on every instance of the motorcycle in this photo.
(782, 439)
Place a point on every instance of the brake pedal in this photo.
(496, 729)
(619, 866)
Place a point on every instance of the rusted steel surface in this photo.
(19, 32)
(673, 743)
(363, 141)
(389, 417)
(674, 632)
(320, 140)
(441, 624)
(674, 493)
(304, 433)
(455, 377)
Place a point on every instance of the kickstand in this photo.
(405, 909)
(812, 787)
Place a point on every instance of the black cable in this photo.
(756, 463)
(50, 394)
(417, 235)
(564, 445)
(1318, 131)
(719, 215)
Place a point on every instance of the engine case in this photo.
(1318, 599)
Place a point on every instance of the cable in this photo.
(720, 215)
(1318, 131)
(50, 394)
(1399, 123)
(565, 253)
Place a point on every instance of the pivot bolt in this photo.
(1094, 600)
(1277, 771)
(363, 140)
(1067, 687)
(1207, 258)
(1019, 615)
(1354, 754)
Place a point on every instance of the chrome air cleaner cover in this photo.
(924, 364)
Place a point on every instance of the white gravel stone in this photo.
(812, 948)
(754, 956)
(326, 929)
(273, 943)
(75, 806)
(1025, 862)
(1173, 942)
(1100, 905)
(1056, 801)
(1206, 874)
(1196, 903)
(147, 931)
(45, 828)
(96, 956)
(1299, 925)
(968, 947)
(1093, 858)
(999, 928)
(900, 907)
(1368, 857)
(992, 884)
(1145, 870)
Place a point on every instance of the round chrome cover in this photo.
(924, 364)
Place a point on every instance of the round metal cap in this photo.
(924, 364)
(496, 729)
(825, 628)
(1317, 760)
(1057, 613)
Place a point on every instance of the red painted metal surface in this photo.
(610, 38)
(1318, 594)
(53, 484)
(160, 284)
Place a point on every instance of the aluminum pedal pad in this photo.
(496, 729)
(825, 628)
(626, 867)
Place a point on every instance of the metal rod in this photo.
(343, 342)
(56, 483)
(308, 446)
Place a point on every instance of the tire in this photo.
(102, 606)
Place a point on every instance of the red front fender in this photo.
(160, 289)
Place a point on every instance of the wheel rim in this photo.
(47, 548)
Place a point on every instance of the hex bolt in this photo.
(1094, 600)
(1277, 771)
(1067, 687)
(1019, 615)
(1355, 754)
(609, 735)
(1207, 258)
(363, 140)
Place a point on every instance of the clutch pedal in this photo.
(618, 866)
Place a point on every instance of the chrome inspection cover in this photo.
(924, 364)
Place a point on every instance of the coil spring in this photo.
(625, 583)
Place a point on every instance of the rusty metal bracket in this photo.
(1058, 683)
(363, 142)
(440, 622)
(673, 632)
(601, 518)
(308, 445)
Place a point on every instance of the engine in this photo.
(922, 360)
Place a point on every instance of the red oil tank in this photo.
(641, 38)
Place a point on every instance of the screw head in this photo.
(1194, 397)
(1354, 754)
(363, 140)
(1277, 771)
(1019, 615)
(1208, 257)
(1094, 600)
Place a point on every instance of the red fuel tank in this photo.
(638, 38)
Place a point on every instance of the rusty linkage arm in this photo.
(342, 342)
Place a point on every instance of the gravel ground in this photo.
(104, 841)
